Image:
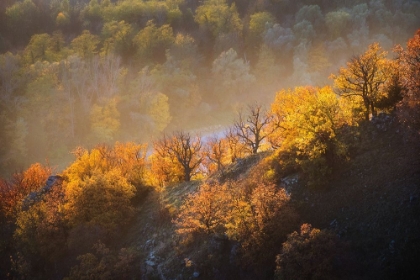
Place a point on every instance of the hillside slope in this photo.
(372, 203)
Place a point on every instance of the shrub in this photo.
(309, 254)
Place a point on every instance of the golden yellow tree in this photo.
(101, 199)
(307, 121)
(364, 78)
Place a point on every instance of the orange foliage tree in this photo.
(13, 192)
(258, 218)
(204, 211)
(216, 154)
(410, 67)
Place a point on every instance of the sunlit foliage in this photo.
(101, 199)
(127, 158)
(410, 79)
(307, 122)
(41, 226)
(199, 61)
(14, 191)
(205, 211)
(365, 77)
(257, 218)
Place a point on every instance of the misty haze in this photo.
(209, 139)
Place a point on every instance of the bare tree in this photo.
(183, 149)
(253, 128)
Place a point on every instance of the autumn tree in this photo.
(41, 229)
(309, 254)
(364, 78)
(85, 45)
(164, 169)
(105, 121)
(158, 110)
(216, 154)
(218, 17)
(152, 41)
(184, 149)
(118, 38)
(253, 128)
(204, 211)
(22, 18)
(411, 58)
(128, 158)
(37, 48)
(236, 147)
(257, 219)
(101, 199)
(14, 191)
(307, 124)
(410, 79)
(270, 217)
(105, 263)
(259, 22)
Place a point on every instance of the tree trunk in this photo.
(187, 174)
(372, 109)
(366, 102)
(367, 113)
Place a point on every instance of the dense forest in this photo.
(189, 139)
